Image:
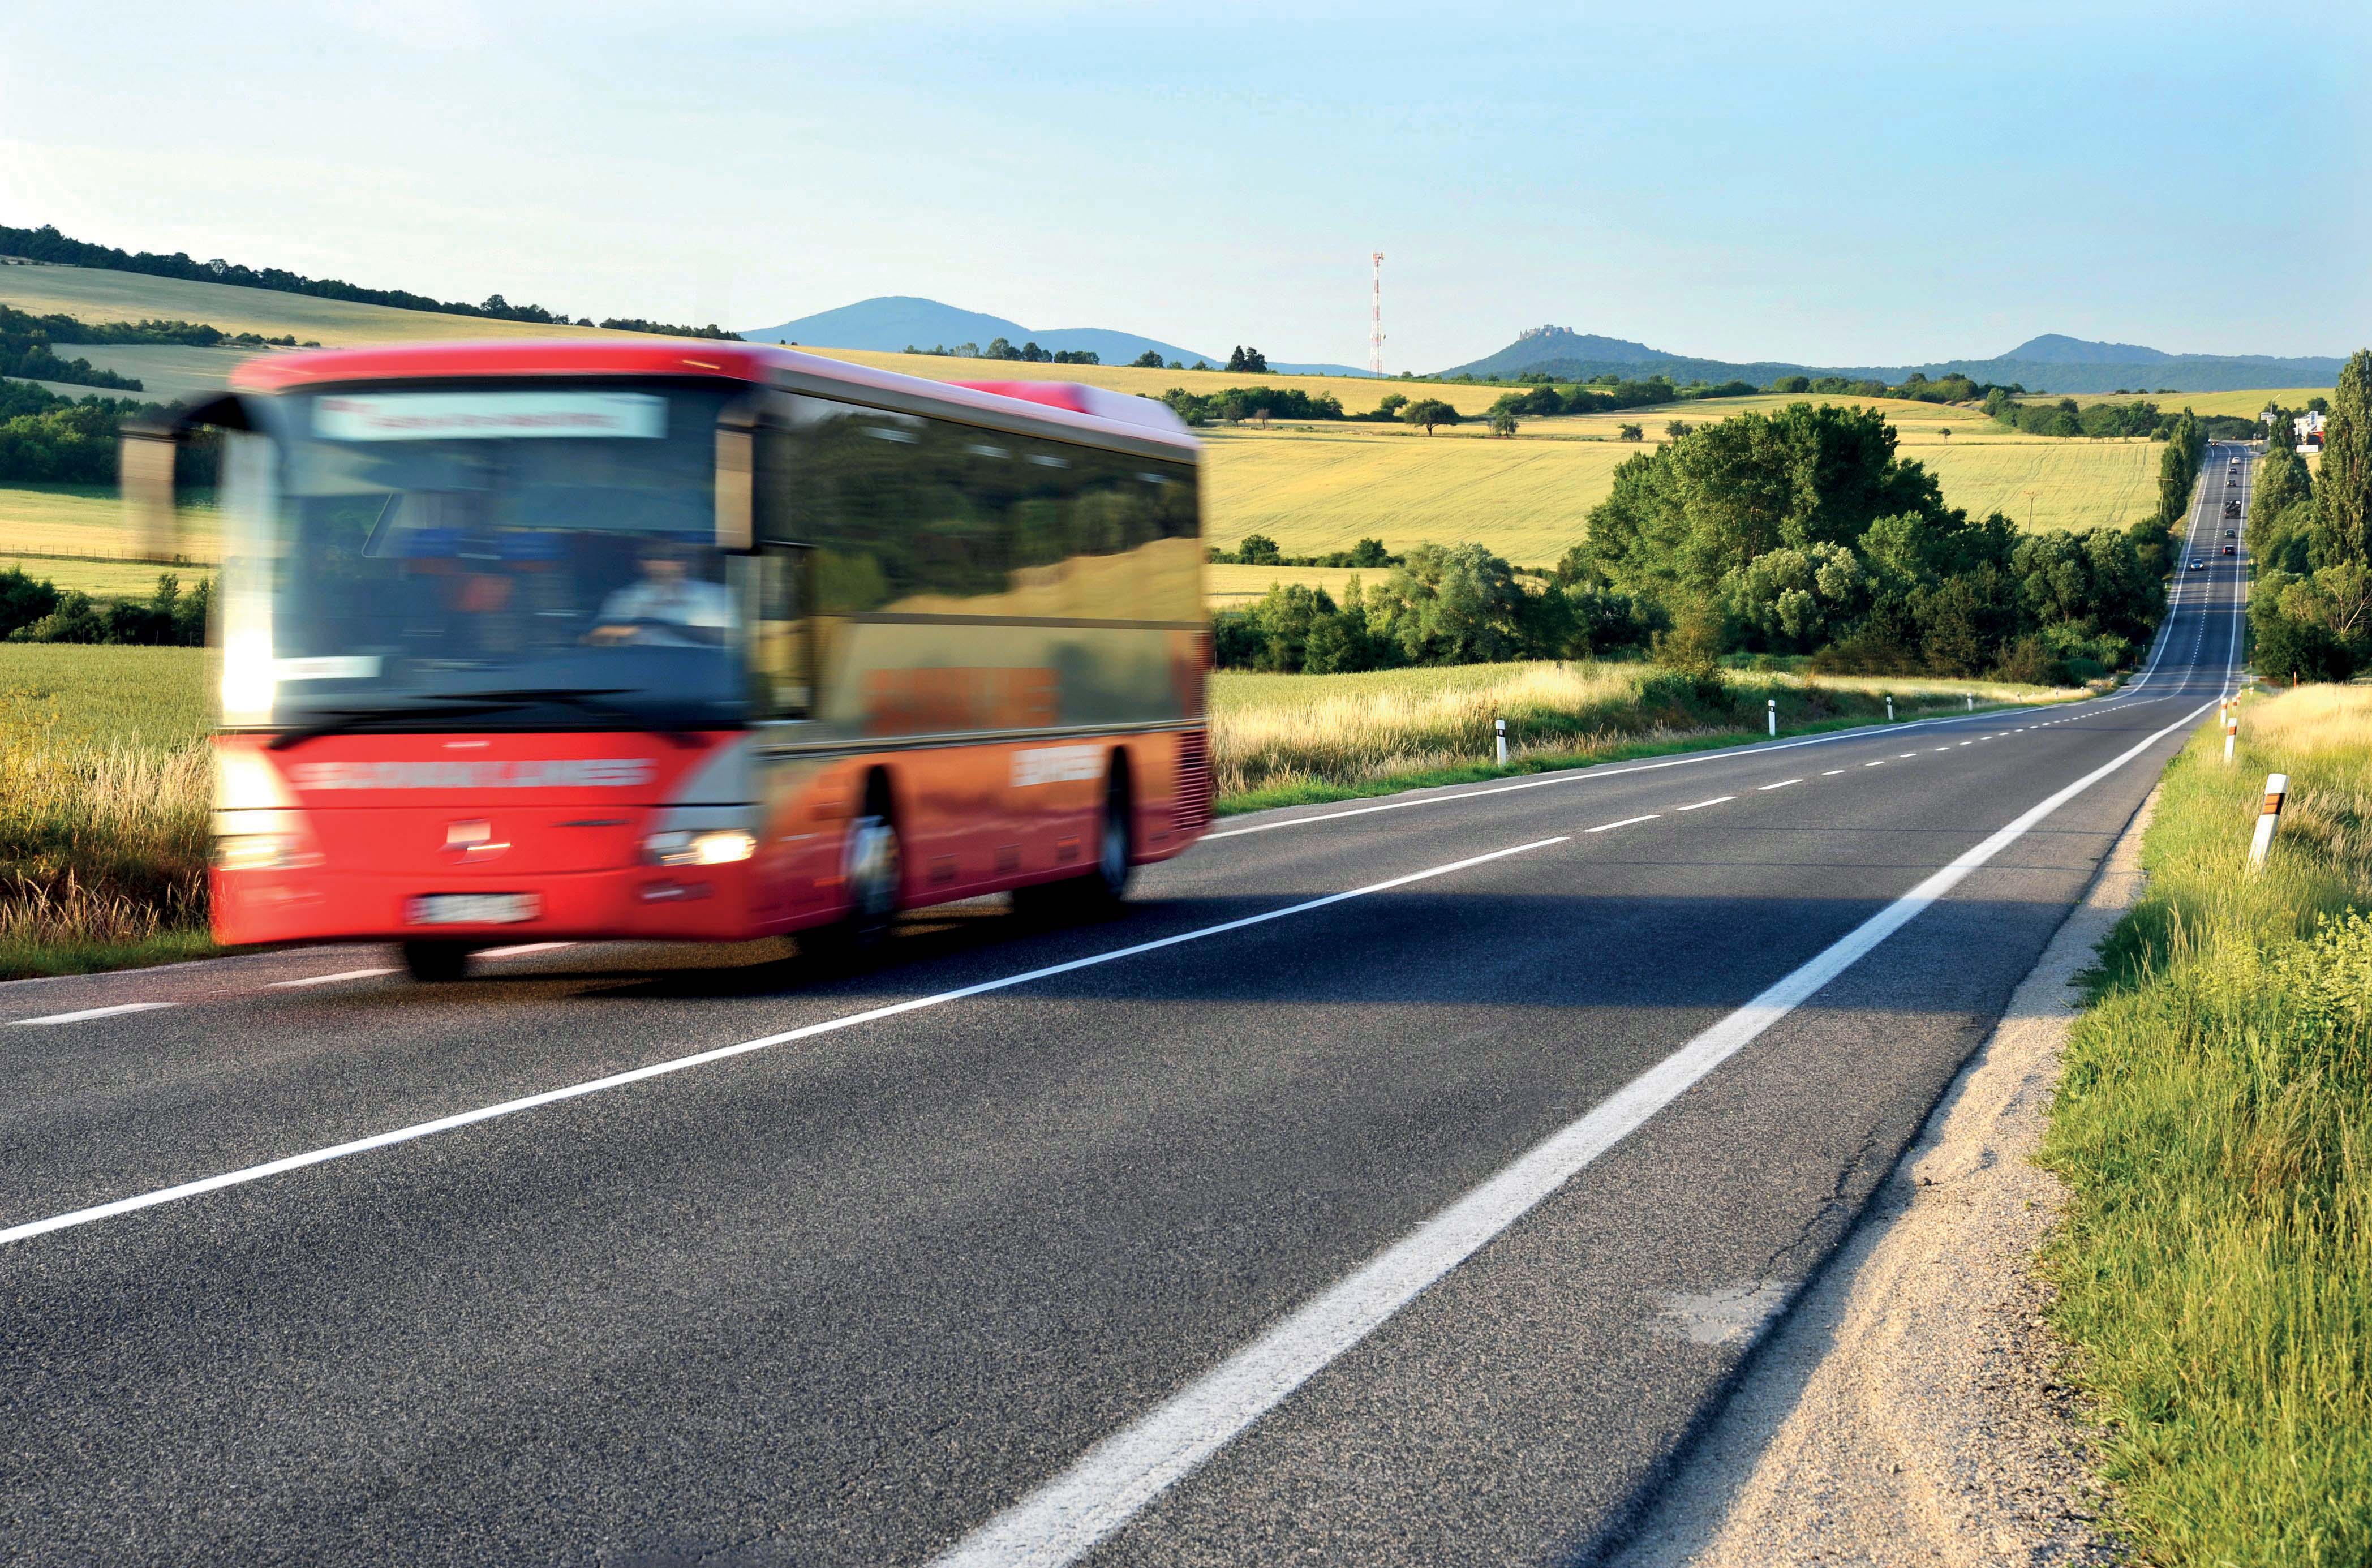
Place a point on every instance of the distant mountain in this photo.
(2052, 362)
(894, 320)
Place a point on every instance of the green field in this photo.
(104, 786)
(91, 294)
(167, 372)
(149, 699)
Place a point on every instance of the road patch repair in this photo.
(1908, 1409)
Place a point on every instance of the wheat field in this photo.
(1320, 488)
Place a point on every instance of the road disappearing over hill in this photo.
(1398, 1180)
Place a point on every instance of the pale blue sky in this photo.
(1825, 183)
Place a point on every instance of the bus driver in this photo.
(669, 608)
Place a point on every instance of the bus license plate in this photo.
(472, 909)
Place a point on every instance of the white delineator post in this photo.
(1502, 727)
(1890, 707)
(2232, 732)
(1771, 707)
(2277, 785)
(1973, 702)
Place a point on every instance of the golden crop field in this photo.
(88, 520)
(101, 579)
(92, 293)
(1229, 587)
(1320, 488)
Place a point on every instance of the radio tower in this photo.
(1376, 322)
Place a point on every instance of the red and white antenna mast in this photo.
(1376, 322)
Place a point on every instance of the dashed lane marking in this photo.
(115, 1012)
(418, 1129)
(327, 978)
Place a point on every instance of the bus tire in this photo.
(872, 867)
(1102, 886)
(435, 963)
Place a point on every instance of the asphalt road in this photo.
(1421, 1224)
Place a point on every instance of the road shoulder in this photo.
(1908, 1409)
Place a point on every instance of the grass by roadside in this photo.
(103, 799)
(2215, 1127)
(1291, 740)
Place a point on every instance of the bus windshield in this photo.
(508, 554)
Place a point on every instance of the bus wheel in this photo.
(1100, 888)
(872, 868)
(435, 962)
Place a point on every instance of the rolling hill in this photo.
(889, 323)
(2053, 361)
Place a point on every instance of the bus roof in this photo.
(1091, 409)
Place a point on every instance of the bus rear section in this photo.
(580, 642)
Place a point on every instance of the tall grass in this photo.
(2215, 1127)
(104, 792)
(1281, 737)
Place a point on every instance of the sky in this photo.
(1821, 184)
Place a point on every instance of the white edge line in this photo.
(1063, 1519)
(117, 1010)
(31, 1228)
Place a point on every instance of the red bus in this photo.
(679, 641)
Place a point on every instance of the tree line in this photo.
(47, 438)
(46, 244)
(1001, 348)
(2310, 535)
(1799, 533)
(35, 610)
(1259, 549)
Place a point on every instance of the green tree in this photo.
(1630, 433)
(1258, 550)
(1450, 604)
(1149, 360)
(2342, 489)
(1676, 428)
(1427, 413)
(1503, 422)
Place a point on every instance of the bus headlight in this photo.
(721, 846)
(263, 852)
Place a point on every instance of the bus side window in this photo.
(782, 641)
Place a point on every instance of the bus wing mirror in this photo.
(149, 451)
(736, 465)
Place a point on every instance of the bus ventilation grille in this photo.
(1194, 809)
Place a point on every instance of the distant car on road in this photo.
(2231, 508)
(2231, 533)
(2197, 564)
(2231, 549)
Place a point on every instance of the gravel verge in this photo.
(1910, 1409)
